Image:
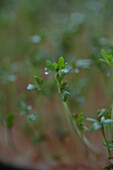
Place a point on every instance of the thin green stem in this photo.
(10, 140)
(74, 129)
(112, 125)
(107, 143)
(72, 123)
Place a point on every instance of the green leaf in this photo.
(32, 117)
(50, 67)
(91, 120)
(105, 55)
(102, 60)
(39, 80)
(109, 167)
(80, 118)
(55, 65)
(61, 73)
(60, 76)
(80, 122)
(95, 126)
(108, 58)
(111, 160)
(108, 121)
(31, 87)
(60, 62)
(110, 144)
(102, 120)
(101, 112)
(10, 120)
(65, 65)
(63, 86)
(25, 108)
(85, 128)
(65, 94)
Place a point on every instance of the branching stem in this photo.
(74, 129)
(72, 124)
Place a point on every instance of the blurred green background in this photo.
(32, 31)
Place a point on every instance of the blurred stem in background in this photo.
(72, 124)
(112, 124)
(74, 129)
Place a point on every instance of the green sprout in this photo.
(104, 120)
(108, 58)
(60, 70)
(103, 123)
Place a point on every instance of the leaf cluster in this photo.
(108, 58)
(26, 111)
(25, 108)
(60, 69)
(103, 120)
(38, 84)
(110, 145)
(80, 121)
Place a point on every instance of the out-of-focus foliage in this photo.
(33, 31)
